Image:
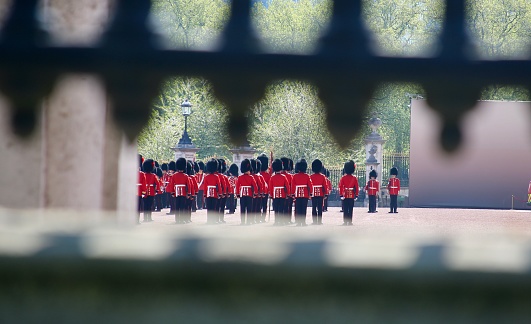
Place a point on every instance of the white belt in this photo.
(246, 192)
(299, 192)
(275, 191)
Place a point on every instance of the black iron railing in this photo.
(344, 68)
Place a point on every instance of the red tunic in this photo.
(372, 187)
(348, 186)
(278, 186)
(179, 185)
(267, 176)
(393, 186)
(301, 185)
(232, 184)
(151, 184)
(246, 186)
(141, 185)
(194, 188)
(328, 186)
(320, 187)
(212, 186)
(199, 177)
(165, 180)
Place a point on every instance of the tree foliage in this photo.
(290, 119)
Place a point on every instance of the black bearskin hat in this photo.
(253, 166)
(148, 166)
(196, 167)
(373, 174)
(157, 164)
(245, 166)
(171, 166)
(285, 163)
(277, 165)
(297, 166)
(349, 167)
(189, 168)
(327, 173)
(264, 160)
(164, 166)
(180, 164)
(140, 161)
(394, 171)
(201, 165)
(303, 166)
(258, 166)
(317, 166)
(212, 166)
(158, 172)
(290, 165)
(233, 170)
(222, 166)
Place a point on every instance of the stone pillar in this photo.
(374, 149)
(185, 148)
(20, 164)
(241, 153)
(77, 159)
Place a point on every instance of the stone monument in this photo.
(374, 149)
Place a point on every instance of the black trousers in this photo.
(140, 203)
(158, 202)
(287, 209)
(173, 205)
(394, 203)
(264, 204)
(180, 209)
(165, 200)
(372, 203)
(325, 208)
(200, 199)
(317, 210)
(212, 211)
(232, 203)
(148, 204)
(301, 204)
(279, 208)
(246, 205)
(348, 208)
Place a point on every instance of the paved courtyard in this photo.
(414, 221)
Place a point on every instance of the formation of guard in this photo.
(186, 186)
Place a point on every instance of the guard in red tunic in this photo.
(348, 191)
(372, 188)
(200, 176)
(328, 190)
(266, 175)
(224, 180)
(160, 190)
(151, 188)
(171, 171)
(278, 191)
(257, 199)
(233, 177)
(165, 180)
(179, 188)
(301, 189)
(394, 188)
(289, 201)
(320, 190)
(213, 191)
(193, 191)
(246, 189)
(141, 187)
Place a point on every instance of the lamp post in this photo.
(185, 148)
(186, 107)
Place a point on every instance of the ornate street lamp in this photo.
(186, 107)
